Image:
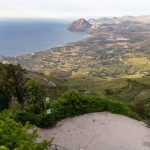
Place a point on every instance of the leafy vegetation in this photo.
(35, 95)
(14, 135)
(12, 83)
(71, 104)
(129, 97)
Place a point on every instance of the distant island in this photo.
(79, 25)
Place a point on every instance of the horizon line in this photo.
(70, 18)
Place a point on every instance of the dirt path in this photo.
(100, 131)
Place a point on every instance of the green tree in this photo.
(35, 95)
(15, 136)
(12, 84)
(4, 99)
(15, 76)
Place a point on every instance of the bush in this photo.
(73, 104)
(108, 92)
(139, 107)
(117, 107)
(45, 120)
(24, 117)
(41, 120)
(14, 135)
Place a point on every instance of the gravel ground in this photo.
(99, 131)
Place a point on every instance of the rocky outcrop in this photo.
(79, 25)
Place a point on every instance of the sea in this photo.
(20, 36)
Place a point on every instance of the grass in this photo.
(144, 80)
(134, 76)
(137, 61)
(137, 88)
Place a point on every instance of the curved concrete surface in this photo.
(100, 131)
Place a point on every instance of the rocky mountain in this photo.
(79, 25)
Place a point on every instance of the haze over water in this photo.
(27, 36)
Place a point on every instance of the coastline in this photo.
(24, 37)
(51, 48)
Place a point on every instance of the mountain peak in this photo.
(79, 25)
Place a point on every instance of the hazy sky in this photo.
(73, 8)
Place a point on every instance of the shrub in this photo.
(41, 120)
(73, 104)
(139, 107)
(108, 92)
(14, 135)
(23, 117)
(117, 107)
(45, 120)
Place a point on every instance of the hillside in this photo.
(111, 20)
(109, 71)
(114, 62)
(79, 25)
(113, 50)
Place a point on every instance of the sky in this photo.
(72, 8)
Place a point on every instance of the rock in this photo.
(79, 25)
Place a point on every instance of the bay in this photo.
(19, 37)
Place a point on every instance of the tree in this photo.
(15, 74)
(4, 98)
(12, 84)
(5, 92)
(15, 136)
(35, 95)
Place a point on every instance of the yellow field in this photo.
(132, 76)
(138, 61)
(79, 74)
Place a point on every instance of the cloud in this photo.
(72, 8)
